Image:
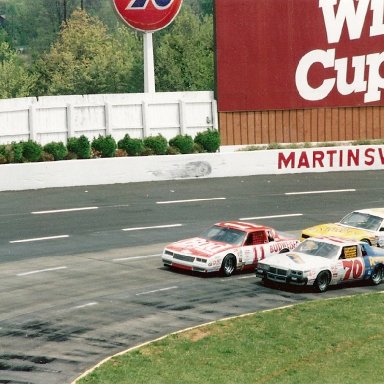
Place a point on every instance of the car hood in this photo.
(296, 261)
(198, 246)
(337, 230)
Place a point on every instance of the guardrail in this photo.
(69, 173)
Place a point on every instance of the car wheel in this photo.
(228, 265)
(377, 275)
(322, 281)
(366, 241)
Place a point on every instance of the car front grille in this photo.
(277, 271)
(189, 259)
(277, 274)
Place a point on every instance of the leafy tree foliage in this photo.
(184, 54)
(87, 60)
(15, 81)
(51, 47)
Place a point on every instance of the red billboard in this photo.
(293, 54)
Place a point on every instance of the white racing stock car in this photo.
(320, 262)
(226, 247)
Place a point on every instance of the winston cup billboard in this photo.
(288, 54)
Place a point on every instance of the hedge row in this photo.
(82, 148)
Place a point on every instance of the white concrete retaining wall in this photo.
(225, 164)
(56, 118)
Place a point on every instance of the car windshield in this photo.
(362, 220)
(318, 248)
(224, 235)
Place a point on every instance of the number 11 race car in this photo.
(226, 247)
(320, 262)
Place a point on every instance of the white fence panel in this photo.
(57, 118)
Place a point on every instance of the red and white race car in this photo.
(226, 247)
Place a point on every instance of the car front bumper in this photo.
(283, 279)
(189, 263)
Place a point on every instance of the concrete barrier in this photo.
(70, 173)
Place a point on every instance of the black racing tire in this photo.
(377, 275)
(228, 266)
(366, 241)
(322, 281)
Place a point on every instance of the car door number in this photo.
(354, 268)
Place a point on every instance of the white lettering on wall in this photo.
(348, 16)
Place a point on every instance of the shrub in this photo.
(148, 152)
(31, 151)
(121, 153)
(133, 147)
(197, 148)
(106, 146)
(184, 143)
(57, 150)
(45, 156)
(209, 140)
(14, 152)
(80, 146)
(158, 144)
(173, 150)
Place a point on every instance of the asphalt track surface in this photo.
(81, 276)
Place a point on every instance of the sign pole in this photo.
(149, 67)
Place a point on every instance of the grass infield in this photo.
(338, 341)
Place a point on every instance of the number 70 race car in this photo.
(226, 247)
(320, 262)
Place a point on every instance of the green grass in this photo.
(337, 341)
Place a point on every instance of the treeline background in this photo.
(58, 47)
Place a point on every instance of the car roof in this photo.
(373, 211)
(241, 225)
(335, 240)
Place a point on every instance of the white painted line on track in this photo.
(85, 305)
(64, 210)
(190, 200)
(40, 271)
(154, 227)
(271, 217)
(39, 239)
(156, 290)
(137, 257)
(325, 191)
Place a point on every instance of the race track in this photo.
(81, 275)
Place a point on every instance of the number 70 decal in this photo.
(353, 266)
(142, 4)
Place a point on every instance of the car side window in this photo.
(255, 238)
(349, 252)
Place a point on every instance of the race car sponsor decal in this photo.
(373, 261)
(196, 245)
(350, 252)
(277, 247)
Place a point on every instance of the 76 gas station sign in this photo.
(148, 15)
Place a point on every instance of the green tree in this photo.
(15, 81)
(184, 54)
(87, 60)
